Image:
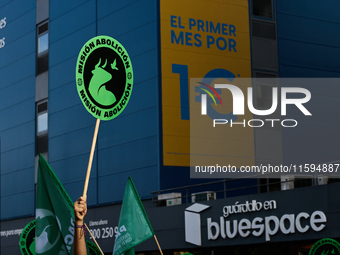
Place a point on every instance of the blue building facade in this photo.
(40, 110)
(17, 134)
(130, 143)
(308, 48)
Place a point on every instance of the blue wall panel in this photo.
(18, 136)
(24, 199)
(17, 114)
(311, 145)
(61, 74)
(133, 158)
(70, 120)
(126, 157)
(17, 182)
(127, 19)
(316, 57)
(17, 8)
(315, 31)
(306, 37)
(63, 98)
(314, 141)
(18, 71)
(17, 68)
(16, 48)
(17, 92)
(75, 190)
(315, 9)
(111, 188)
(143, 44)
(72, 171)
(145, 66)
(20, 25)
(295, 71)
(64, 23)
(68, 47)
(18, 159)
(10, 182)
(308, 46)
(71, 144)
(116, 135)
(18, 32)
(107, 7)
(61, 7)
(17, 108)
(315, 136)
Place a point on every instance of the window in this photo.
(42, 118)
(263, 8)
(42, 128)
(42, 123)
(42, 47)
(269, 184)
(263, 29)
(303, 182)
(264, 84)
(42, 44)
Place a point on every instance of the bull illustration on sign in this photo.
(97, 86)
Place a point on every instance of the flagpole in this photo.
(91, 157)
(159, 247)
(94, 239)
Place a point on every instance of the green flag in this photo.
(129, 252)
(54, 214)
(134, 226)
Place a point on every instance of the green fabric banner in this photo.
(134, 226)
(54, 213)
(129, 252)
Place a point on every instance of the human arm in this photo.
(80, 210)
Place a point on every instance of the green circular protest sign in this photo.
(94, 250)
(104, 77)
(325, 246)
(27, 239)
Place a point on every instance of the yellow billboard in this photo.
(200, 39)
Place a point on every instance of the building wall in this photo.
(309, 47)
(17, 108)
